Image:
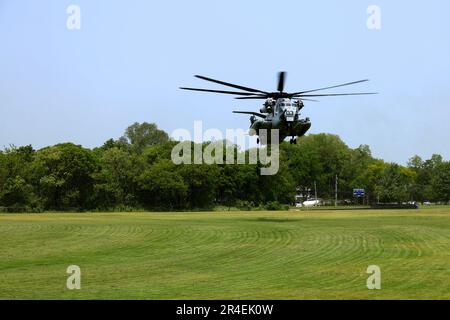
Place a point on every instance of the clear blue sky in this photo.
(129, 58)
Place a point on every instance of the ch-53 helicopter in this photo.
(281, 110)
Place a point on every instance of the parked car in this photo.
(311, 203)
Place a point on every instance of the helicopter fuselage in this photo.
(282, 114)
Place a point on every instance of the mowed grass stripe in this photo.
(234, 255)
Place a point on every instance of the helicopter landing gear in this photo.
(293, 141)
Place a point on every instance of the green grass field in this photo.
(233, 255)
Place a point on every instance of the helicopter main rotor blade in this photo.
(230, 84)
(334, 94)
(252, 113)
(337, 86)
(308, 100)
(281, 78)
(252, 97)
(219, 91)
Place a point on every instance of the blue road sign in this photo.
(358, 192)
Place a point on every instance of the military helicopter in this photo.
(281, 110)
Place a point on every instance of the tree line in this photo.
(136, 172)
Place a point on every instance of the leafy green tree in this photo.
(426, 172)
(141, 135)
(114, 182)
(246, 182)
(17, 193)
(394, 183)
(230, 180)
(161, 186)
(15, 167)
(440, 183)
(319, 158)
(16, 160)
(63, 174)
(369, 177)
(111, 143)
(201, 182)
(359, 159)
(279, 187)
(419, 188)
